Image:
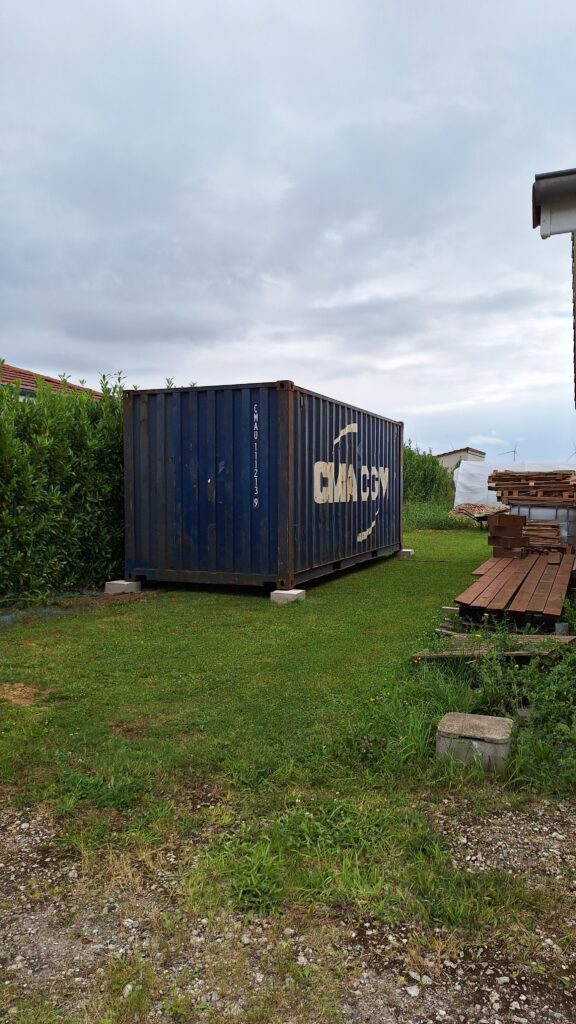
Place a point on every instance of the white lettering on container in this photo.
(255, 432)
(339, 484)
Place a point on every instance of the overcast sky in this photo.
(333, 192)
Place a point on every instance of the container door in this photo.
(201, 484)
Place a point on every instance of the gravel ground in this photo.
(65, 922)
(537, 842)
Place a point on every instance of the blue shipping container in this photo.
(256, 484)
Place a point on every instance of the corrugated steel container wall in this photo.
(262, 483)
(347, 481)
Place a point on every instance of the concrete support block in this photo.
(122, 587)
(468, 738)
(287, 596)
(406, 553)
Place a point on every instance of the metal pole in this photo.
(574, 305)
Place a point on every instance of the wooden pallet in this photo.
(547, 488)
(525, 647)
(546, 641)
(534, 585)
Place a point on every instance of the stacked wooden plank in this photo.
(505, 535)
(545, 537)
(527, 488)
(542, 532)
(532, 586)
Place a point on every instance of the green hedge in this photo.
(425, 479)
(61, 490)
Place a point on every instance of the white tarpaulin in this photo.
(471, 478)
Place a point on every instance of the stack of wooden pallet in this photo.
(512, 537)
(526, 488)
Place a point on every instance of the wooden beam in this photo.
(473, 593)
(525, 592)
(496, 598)
(559, 588)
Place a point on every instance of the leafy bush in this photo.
(424, 478)
(546, 751)
(61, 490)
(544, 755)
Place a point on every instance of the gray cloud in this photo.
(340, 195)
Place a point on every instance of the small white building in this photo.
(453, 459)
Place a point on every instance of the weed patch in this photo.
(353, 860)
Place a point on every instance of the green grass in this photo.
(138, 698)
(308, 718)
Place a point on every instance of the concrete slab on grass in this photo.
(122, 587)
(287, 596)
(468, 738)
(406, 553)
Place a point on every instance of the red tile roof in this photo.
(27, 380)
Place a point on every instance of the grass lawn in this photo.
(285, 753)
(139, 698)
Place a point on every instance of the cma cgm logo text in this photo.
(342, 481)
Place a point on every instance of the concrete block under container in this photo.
(468, 738)
(122, 587)
(287, 596)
